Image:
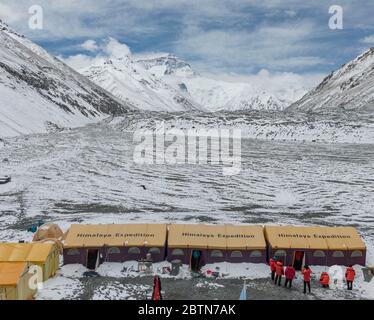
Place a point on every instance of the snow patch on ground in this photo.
(368, 289)
(14, 235)
(74, 271)
(238, 270)
(210, 285)
(118, 291)
(129, 269)
(60, 288)
(67, 285)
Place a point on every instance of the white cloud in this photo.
(8, 15)
(212, 34)
(90, 45)
(107, 49)
(273, 81)
(116, 49)
(290, 13)
(276, 47)
(79, 61)
(73, 19)
(368, 39)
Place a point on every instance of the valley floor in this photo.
(88, 175)
(115, 282)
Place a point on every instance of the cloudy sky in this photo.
(216, 36)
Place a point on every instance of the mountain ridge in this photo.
(217, 95)
(39, 92)
(349, 88)
(128, 79)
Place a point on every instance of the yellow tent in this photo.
(48, 231)
(14, 281)
(322, 238)
(45, 255)
(116, 235)
(221, 237)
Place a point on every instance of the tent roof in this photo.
(48, 231)
(25, 252)
(223, 237)
(116, 235)
(11, 272)
(324, 238)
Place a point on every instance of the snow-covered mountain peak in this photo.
(29, 44)
(217, 95)
(4, 27)
(349, 88)
(356, 68)
(129, 80)
(166, 64)
(164, 82)
(359, 63)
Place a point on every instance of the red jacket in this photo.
(306, 274)
(325, 278)
(273, 265)
(279, 269)
(290, 273)
(350, 274)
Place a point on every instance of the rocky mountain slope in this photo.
(166, 64)
(38, 92)
(349, 88)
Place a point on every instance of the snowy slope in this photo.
(38, 92)
(349, 88)
(218, 95)
(165, 64)
(129, 80)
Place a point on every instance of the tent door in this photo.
(196, 258)
(92, 259)
(298, 260)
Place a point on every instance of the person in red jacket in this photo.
(273, 264)
(325, 280)
(290, 275)
(279, 273)
(307, 275)
(350, 275)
